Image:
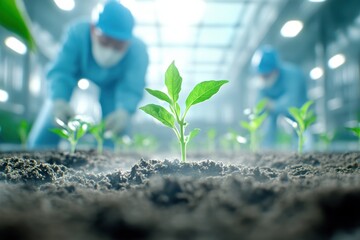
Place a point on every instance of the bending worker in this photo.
(283, 85)
(105, 52)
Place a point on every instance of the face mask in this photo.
(105, 56)
(270, 80)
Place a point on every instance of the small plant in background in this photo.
(98, 131)
(120, 142)
(143, 142)
(303, 119)
(71, 131)
(231, 141)
(326, 138)
(211, 136)
(356, 132)
(256, 117)
(201, 92)
(24, 129)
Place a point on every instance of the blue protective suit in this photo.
(289, 90)
(121, 86)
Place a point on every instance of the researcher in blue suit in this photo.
(282, 84)
(106, 52)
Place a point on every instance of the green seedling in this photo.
(303, 119)
(256, 117)
(120, 141)
(356, 132)
(98, 131)
(72, 131)
(24, 128)
(326, 138)
(231, 141)
(173, 118)
(211, 136)
(143, 142)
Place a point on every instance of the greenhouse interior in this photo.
(215, 41)
(180, 119)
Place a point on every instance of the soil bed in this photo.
(55, 195)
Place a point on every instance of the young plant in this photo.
(326, 138)
(256, 117)
(98, 131)
(356, 131)
(303, 119)
(142, 142)
(174, 118)
(119, 141)
(24, 128)
(72, 131)
(211, 142)
(231, 141)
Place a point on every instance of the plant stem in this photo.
(100, 146)
(73, 146)
(182, 141)
(301, 143)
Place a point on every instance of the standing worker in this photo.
(283, 85)
(105, 52)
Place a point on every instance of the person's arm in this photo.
(294, 92)
(62, 72)
(130, 89)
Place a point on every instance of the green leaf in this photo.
(355, 130)
(246, 125)
(304, 109)
(311, 118)
(81, 130)
(203, 91)
(12, 18)
(260, 106)
(193, 134)
(173, 82)
(60, 132)
(295, 112)
(177, 109)
(159, 94)
(259, 120)
(160, 113)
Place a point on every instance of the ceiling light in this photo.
(16, 45)
(66, 5)
(291, 28)
(4, 96)
(173, 12)
(316, 1)
(83, 84)
(316, 73)
(336, 61)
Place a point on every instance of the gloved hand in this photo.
(117, 121)
(62, 110)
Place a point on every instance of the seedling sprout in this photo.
(256, 117)
(72, 131)
(356, 132)
(24, 129)
(303, 119)
(326, 138)
(98, 131)
(174, 118)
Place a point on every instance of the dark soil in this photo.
(54, 195)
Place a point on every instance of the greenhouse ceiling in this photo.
(208, 39)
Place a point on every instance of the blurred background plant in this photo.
(256, 116)
(23, 130)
